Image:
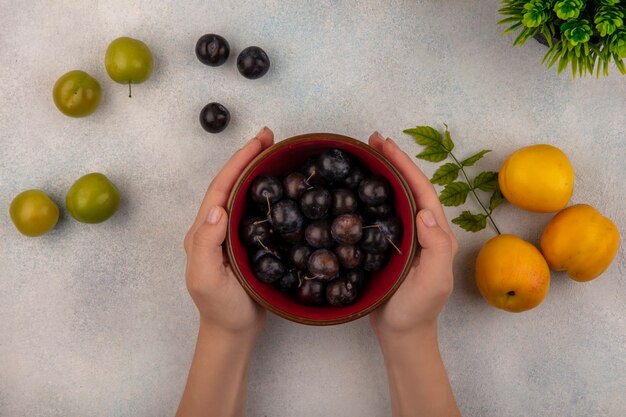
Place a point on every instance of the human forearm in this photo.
(217, 377)
(418, 382)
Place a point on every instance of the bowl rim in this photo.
(278, 311)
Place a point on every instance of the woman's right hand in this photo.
(222, 302)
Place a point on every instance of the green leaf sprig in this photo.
(438, 148)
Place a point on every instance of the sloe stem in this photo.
(258, 239)
(394, 245)
(269, 207)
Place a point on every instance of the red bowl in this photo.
(288, 155)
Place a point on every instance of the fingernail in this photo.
(428, 218)
(256, 137)
(392, 142)
(214, 215)
(263, 129)
(378, 135)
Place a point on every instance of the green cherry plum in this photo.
(76, 94)
(93, 198)
(33, 213)
(128, 61)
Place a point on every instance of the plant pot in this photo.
(542, 39)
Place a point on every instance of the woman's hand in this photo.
(229, 320)
(223, 304)
(406, 325)
(421, 297)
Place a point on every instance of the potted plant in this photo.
(587, 35)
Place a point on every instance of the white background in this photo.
(95, 319)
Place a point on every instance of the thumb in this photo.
(205, 256)
(437, 253)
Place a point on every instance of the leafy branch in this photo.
(438, 148)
